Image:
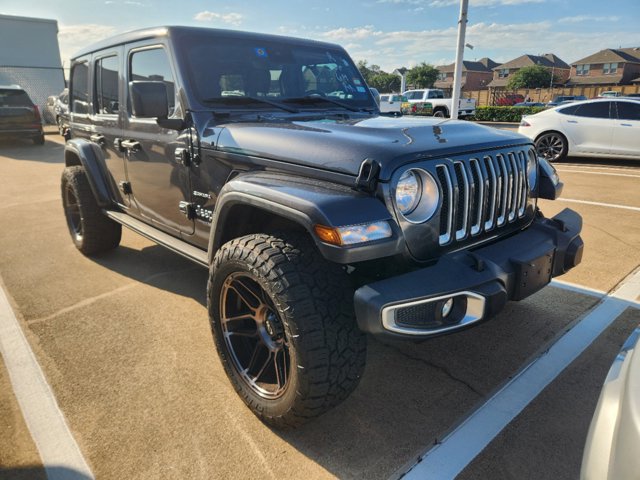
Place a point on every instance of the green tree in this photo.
(377, 78)
(422, 76)
(534, 76)
(385, 82)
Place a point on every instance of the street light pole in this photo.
(457, 75)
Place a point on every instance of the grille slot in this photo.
(480, 194)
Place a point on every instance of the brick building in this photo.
(476, 75)
(501, 73)
(608, 67)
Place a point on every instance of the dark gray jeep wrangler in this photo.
(266, 160)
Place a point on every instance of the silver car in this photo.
(612, 450)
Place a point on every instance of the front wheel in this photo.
(552, 146)
(284, 327)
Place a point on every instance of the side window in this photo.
(569, 110)
(593, 110)
(80, 88)
(628, 111)
(106, 76)
(153, 66)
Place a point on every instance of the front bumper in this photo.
(471, 286)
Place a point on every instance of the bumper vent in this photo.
(480, 194)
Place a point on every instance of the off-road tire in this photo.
(91, 230)
(314, 301)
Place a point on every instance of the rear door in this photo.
(589, 126)
(160, 183)
(106, 117)
(80, 100)
(626, 129)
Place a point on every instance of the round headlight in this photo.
(408, 192)
(417, 195)
(532, 169)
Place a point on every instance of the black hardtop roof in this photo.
(168, 31)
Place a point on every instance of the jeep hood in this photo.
(341, 145)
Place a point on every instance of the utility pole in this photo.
(457, 75)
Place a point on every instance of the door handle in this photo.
(131, 145)
(572, 121)
(626, 125)
(98, 138)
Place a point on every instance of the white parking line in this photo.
(567, 170)
(597, 167)
(598, 204)
(462, 445)
(58, 450)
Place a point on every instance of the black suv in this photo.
(265, 159)
(19, 117)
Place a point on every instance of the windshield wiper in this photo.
(318, 98)
(248, 100)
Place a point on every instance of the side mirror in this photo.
(149, 99)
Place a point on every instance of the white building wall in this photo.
(30, 56)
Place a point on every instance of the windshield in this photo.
(221, 69)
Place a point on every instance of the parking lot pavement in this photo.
(124, 342)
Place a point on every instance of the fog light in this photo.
(447, 307)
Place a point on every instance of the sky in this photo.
(388, 33)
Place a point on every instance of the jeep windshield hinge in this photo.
(367, 178)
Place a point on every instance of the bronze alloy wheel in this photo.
(72, 212)
(254, 335)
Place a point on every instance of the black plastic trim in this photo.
(558, 238)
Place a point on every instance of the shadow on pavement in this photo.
(159, 268)
(18, 149)
(34, 472)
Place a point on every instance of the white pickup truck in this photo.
(431, 101)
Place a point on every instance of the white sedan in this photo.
(607, 127)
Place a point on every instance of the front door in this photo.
(590, 127)
(626, 129)
(159, 182)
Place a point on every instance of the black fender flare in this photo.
(91, 158)
(307, 203)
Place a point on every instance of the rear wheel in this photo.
(440, 113)
(91, 230)
(284, 327)
(38, 140)
(552, 146)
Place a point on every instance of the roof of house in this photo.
(608, 55)
(483, 65)
(547, 60)
(595, 80)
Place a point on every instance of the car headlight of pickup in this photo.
(416, 195)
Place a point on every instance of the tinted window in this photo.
(569, 110)
(436, 94)
(417, 95)
(593, 110)
(153, 65)
(14, 98)
(80, 88)
(628, 111)
(107, 85)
